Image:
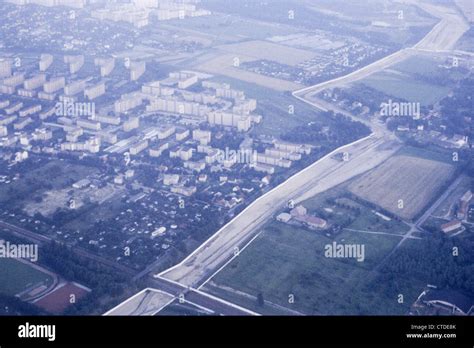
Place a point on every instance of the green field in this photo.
(274, 107)
(178, 309)
(406, 88)
(52, 175)
(286, 260)
(16, 277)
(225, 27)
(431, 66)
(103, 212)
(441, 155)
(466, 42)
(369, 221)
(363, 220)
(417, 65)
(416, 79)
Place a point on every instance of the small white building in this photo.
(284, 217)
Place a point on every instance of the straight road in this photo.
(416, 226)
(436, 204)
(163, 292)
(201, 299)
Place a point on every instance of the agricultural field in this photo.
(420, 64)
(286, 260)
(382, 11)
(418, 79)
(380, 19)
(226, 61)
(403, 185)
(396, 85)
(437, 154)
(225, 28)
(21, 277)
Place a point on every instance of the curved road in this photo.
(365, 154)
(322, 175)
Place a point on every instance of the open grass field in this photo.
(223, 64)
(334, 207)
(417, 79)
(52, 175)
(412, 181)
(370, 222)
(418, 65)
(466, 43)
(16, 276)
(104, 212)
(438, 154)
(287, 260)
(258, 50)
(398, 86)
(274, 105)
(229, 27)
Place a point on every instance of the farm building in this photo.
(299, 211)
(311, 221)
(284, 217)
(451, 226)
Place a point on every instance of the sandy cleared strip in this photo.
(365, 154)
(443, 36)
(447, 32)
(320, 176)
(146, 302)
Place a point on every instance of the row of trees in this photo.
(456, 109)
(342, 130)
(104, 281)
